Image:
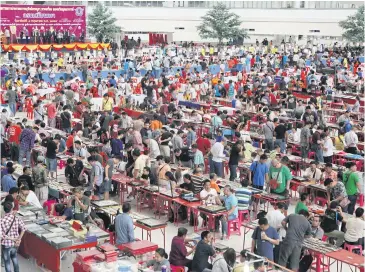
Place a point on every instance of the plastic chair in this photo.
(112, 238)
(311, 155)
(351, 248)
(320, 201)
(360, 200)
(234, 227)
(177, 268)
(360, 166)
(341, 162)
(242, 215)
(318, 265)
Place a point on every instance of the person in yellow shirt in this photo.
(339, 141)
(211, 51)
(213, 182)
(19, 82)
(107, 103)
(203, 51)
(60, 62)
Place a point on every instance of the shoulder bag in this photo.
(274, 182)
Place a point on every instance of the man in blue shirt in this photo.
(8, 181)
(264, 238)
(260, 172)
(124, 227)
(231, 203)
(113, 82)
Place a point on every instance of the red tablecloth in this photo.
(139, 247)
(43, 252)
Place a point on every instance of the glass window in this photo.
(302, 4)
(237, 4)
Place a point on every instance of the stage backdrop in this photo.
(44, 17)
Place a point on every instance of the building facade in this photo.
(276, 20)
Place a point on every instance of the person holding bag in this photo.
(352, 185)
(259, 173)
(279, 178)
(13, 229)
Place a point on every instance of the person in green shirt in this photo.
(302, 204)
(282, 174)
(351, 181)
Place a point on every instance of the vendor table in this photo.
(178, 202)
(139, 247)
(149, 230)
(349, 258)
(273, 199)
(122, 181)
(43, 92)
(44, 253)
(247, 227)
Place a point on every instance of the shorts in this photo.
(107, 185)
(51, 164)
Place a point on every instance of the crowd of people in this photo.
(145, 147)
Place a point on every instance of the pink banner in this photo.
(42, 18)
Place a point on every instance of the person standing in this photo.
(66, 119)
(327, 149)
(234, 158)
(51, 113)
(281, 136)
(198, 159)
(51, 159)
(96, 177)
(282, 175)
(264, 238)
(164, 141)
(217, 152)
(124, 228)
(39, 176)
(305, 136)
(26, 178)
(352, 184)
(8, 181)
(268, 130)
(259, 172)
(27, 138)
(11, 96)
(203, 251)
(297, 227)
(12, 229)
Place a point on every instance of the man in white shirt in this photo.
(28, 197)
(209, 196)
(327, 149)
(218, 156)
(274, 218)
(153, 147)
(351, 141)
(312, 172)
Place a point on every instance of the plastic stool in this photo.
(320, 201)
(61, 164)
(242, 213)
(360, 200)
(177, 268)
(318, 265)
(311, 155)
(351, 248)
(112, 238)
(234, 227)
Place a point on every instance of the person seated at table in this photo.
(124, 227)
(13, 198)
(178, 251)
(231, 205)
(80, 204)
(160, 260)
(62, 211)
(302, 204)
(275, 152)
(331, 219)
(203, 251)
(340, 140)
(74, 171)
(27, 197)
(312, 172)
(355, 226)
(183, 157)
(336, 191)
(264, 238)
(8, 181)
(79, 151)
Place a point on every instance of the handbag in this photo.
(274, 182)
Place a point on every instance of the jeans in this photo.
(327, 159)
(10, 254)
(304, 151)
(67, 130)
(351, 206)
(282, 144)
(217, 168)
(23, 152)
(269, 144)
(232, 172)
(225, 223)
(12, 107)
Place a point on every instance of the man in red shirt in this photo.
(14, 139)
(51, 112)
(203, 144)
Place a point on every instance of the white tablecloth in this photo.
(138, 98)
(43, 92)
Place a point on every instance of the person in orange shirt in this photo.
(156, 124)
(29, 106)
(213, 182)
